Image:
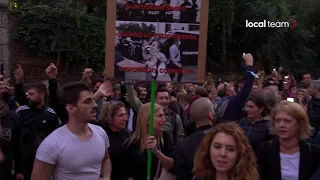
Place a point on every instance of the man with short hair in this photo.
(306, 80)
(201, 111)
(67, 153)
(173, 122)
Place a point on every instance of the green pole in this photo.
(153, 94)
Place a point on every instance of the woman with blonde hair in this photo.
(288, 156)
(225, 154)
(137, 145)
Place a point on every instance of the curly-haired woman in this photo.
(225, 154)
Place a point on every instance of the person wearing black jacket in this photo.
(113, 120)
(201, 111)
(11, 144)
(37, 121)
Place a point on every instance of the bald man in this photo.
(201, 111)
(231, 104)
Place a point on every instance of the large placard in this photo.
(162, 40)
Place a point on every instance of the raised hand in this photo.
(248, 59)
(52, 71)
(105, 89)
(88, 72)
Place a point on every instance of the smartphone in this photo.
(290, 99)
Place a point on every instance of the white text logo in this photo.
(267, 24)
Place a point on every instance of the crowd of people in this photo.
(262, 127)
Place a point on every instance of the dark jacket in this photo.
(256, 133)
(185, 151)
(36, 124)
(235, 104)
(269, 160)
(314, 113)
(316, 175)
(10, 143)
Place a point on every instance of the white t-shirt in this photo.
(74, 159)
(289, 164)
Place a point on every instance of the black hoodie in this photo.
(10, 143)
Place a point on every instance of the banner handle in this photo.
(153, 94)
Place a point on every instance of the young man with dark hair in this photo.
(66, 154)
(173, 123)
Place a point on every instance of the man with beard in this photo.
(37, 122)
(142, 93)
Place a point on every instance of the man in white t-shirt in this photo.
(77, 150)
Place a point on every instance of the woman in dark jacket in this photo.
(256, 124)
(289, 156)
(114, 117)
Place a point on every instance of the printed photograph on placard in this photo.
(177, 11)
(156, 51)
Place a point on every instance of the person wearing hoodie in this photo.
(255, 125)
(10, 143)
(313, 107)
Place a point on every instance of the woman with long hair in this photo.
(288, 156)
(137, 145)
(225, 154)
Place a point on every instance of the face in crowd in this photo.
(84, 108)
(168, 87)
(159, 120)
(115, 115)
(163, 99)
(290, 120)
(306, 79)
(225, 150)
(36, 96)
(143, 92)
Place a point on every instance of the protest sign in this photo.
(156, 40)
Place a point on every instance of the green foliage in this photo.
(63, 30)
(228, 38)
